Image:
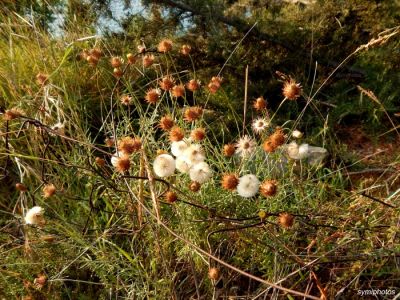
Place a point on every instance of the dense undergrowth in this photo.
(81, 132)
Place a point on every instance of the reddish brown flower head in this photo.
(128, 145)
(268, 188)
(96, 53)
(198, 134)
(152, 96)
(291, 90)
(185, 50)
(192, 113)
(178, 91)
(260, 104)
(268, 146)
(92, 60)
(229, 182)
(116, 62)
(21, 187)
(193, 85)
(213, 87)
(126, 100)
(194, 186)
(48, 190)
(217, 80)
(118, 72)
(41, 78)
(123, 163)
(286, 220)
(167, 83)
(213, 273)
(229, 150)
(148, 60)
(165, 46)
(100, 161)
(109, 142)
(277, 138)
(166, 123)
(176, 134)
(131, 58)
(171, 197)
(40, 281)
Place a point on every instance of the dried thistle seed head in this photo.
(185, 50)
(148, 60)
(152, 96)
(277, 138)
(164, 46)
(194, 186)
(176, 134)
(213, 273)
(193, 85)
(291, 90)
(268, 146)
(178, 91)
(116, 62)
(96, 53)
(42, 78)
(229, 150)
(21, 187)
(229, 182)
(268, 188)
(286, 220)
(167, 83)
(166, 123)
(192, 113)
(92, 60)
(171, 197)
(109, 142)
(141, 48)
(198, 134)
(128, 145)
(126, 100)
(262, 215)
(260, 104)
(48, 190)
(297, 134)
(122, 163)
(11, 114)
(118, 72)
(131, 58)
(213, 87)
(217, 80)
(40, 281)
(100, 161)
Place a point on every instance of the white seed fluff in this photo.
(297, 152)
(164, 165)
(177, 148)
(182, 164)
(114, 158)
(194, 154)
(248, 186)
(34, 216)
(200, 172)
(297, 134)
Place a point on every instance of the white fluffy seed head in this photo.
(114, 158)
(177, 148)
(200, 172)
(297, 152)
(297, 134)
(34, 216)
(182, 164)
(164, 165)
(248, 186)
(194, 154)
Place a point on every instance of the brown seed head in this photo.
(167, 83)
(213, 87)
(92, 60)
(128, 145)
(217, 80)
(96, 53)
(21, 187)
(110, 142)
(268, 146)
(213, 273)
(116, 62)
(152, 96)
(286, 220)
(185, 50)
(198, 134)
(192, 113)
(118, 72)
(131, 58)
(123, 163)
(178, 91)
(165, 46)
(277, 138)
(260, 104)
(229, 150)
(100, 161)
(229, 182)
(171, 197)
(291, 90)
(40, 281)
(176, 134)
(193, 85)
(148, 60)
(194, 186)
(268, 188)
(166, 123)
(49, 190)
(41, 78)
